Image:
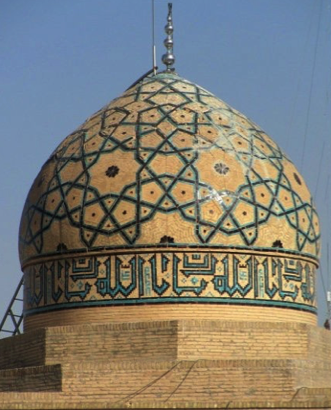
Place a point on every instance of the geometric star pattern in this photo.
(168, 163)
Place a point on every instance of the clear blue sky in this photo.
(62, 60)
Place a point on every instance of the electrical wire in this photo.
(311, 86)
(153, 39)
(323, 284)
(319, 169)
(298, 87)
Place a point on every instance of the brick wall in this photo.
(187, 340)
(166, 340)
(166, 381)
(23, 350)
(313, 374)
(128, 341)
(41, 378)
(245, 340)
(320, 341)
(167, 363)
(181, 380)
(165, 384)
(120, 314)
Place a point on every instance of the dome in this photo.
(167, 195)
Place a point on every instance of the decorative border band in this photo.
(170, 277)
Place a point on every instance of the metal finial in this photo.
(168, 59)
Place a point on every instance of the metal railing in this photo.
(12, 321)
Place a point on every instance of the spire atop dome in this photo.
(168, 59)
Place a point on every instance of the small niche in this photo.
(278, 244)
(167, 239)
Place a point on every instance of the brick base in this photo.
(168, 364)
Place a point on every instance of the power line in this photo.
(319, 169)
(311, 85)
(153, 39)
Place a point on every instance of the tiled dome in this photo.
(168, 179)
